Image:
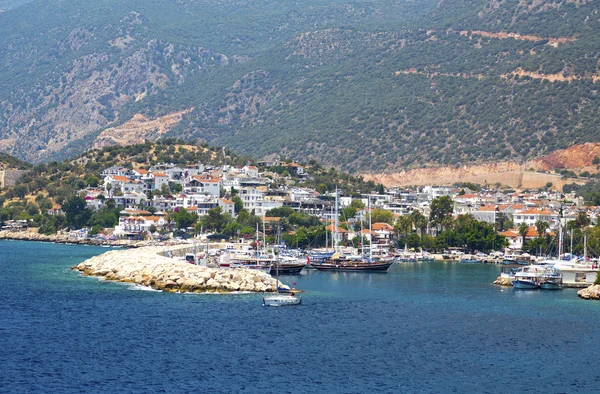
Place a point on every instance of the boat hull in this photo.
(551, 286)
(287, 269)
(407, 260)
(353, 267)
(282, 300)
(525, 285)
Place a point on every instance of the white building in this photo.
(251, 171)
(138, 224)
(252, 198)
(531, 216)
(437, 191)
(160, 179)
(227, 206)
(486, 213)
(198, 185)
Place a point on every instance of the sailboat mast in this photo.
(257, 240)
(362, 234)
(370, 232)
(326, 236)
(584, 246)
(335, 242)
(560, 236)
(264, 239)
(277, 262)
(571, 242)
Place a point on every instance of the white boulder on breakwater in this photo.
(590, 293)
(144, 266)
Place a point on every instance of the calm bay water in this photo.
(433, 327)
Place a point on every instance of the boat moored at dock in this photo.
(526, 280)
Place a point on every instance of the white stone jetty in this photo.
(147, 267)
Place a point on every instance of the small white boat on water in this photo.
(282, 299)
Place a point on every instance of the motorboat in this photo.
(551, 281)
(526, 280)
(282, 299)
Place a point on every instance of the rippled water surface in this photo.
(433, 327)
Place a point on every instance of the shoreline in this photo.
(32, 236)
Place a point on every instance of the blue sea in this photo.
(427, 328)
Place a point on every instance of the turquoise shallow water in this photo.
(438, 327)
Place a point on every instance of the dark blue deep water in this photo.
(438, 327)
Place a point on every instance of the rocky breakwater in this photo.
(503, 281)
(590, 293)
(144, 266)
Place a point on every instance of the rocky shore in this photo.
(503, 281)
(32, 235)
(590, 293)
(144, 266)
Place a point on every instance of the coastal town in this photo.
(250, 214)
(148, 198)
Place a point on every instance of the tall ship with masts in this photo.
(359, 263)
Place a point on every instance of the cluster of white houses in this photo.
(199, 188)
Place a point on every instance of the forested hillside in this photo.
(9, 162)
(366, 85)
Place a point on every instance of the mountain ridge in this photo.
(362, 86)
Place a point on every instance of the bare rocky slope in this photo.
(531, 174)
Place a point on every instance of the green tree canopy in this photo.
(76, 212)
(184, 219)
(441, 207)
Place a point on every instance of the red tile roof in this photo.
(339, 229)
(121, 178)
(381, 226)
(535, 212)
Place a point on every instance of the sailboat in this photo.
(281, 299)
(291, 264)
(339, 263)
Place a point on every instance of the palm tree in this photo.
(420, 221)
(541, 226)
(403, 226)
(523, 227)
(169, 216)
